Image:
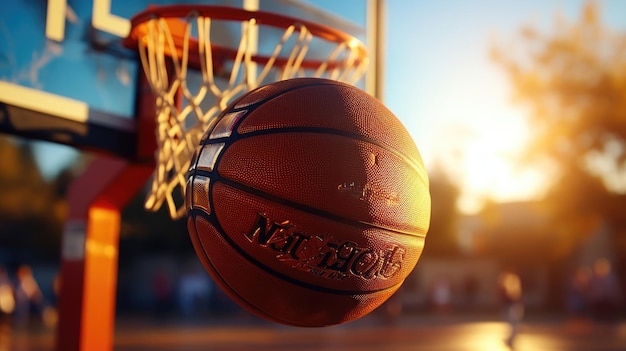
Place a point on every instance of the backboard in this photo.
(65, 77)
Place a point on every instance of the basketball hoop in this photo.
(175, 41)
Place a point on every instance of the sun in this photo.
(478, 141)
(482, 153)
(460, 112)
(489, 169)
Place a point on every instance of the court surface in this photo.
(427, 334)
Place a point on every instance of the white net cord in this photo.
(183, 115)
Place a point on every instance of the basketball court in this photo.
(430, 334)
(74, 73)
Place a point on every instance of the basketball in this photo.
(308, 202)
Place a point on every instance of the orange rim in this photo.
(173, 13)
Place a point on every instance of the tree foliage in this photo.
(32, 209)
(573, 81)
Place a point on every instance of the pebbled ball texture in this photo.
(308, 202)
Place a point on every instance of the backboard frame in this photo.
(33, 111)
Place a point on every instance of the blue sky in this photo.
(440, 82)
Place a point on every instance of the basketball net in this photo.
(174, 40)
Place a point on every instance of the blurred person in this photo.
(511, 295)
(605, 296)
(49, 313)
(7, 307)
(162, 289)
(56, 287)
(194, 292)
(28, 297)
(470, 289)
(393, 307)
(578, 294)
(441, 295)
(7, 297)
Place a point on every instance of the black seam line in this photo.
(249, 108)
(254, 105)
(241, 299)
(322, 130)
(279, 275)
(303, 207)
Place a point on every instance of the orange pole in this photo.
(90, 253)
(100, 277)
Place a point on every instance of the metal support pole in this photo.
(90, 253)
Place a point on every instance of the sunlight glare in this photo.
(489, 171)
(482, 156)
(474, 132)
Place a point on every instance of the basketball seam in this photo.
(414, 165)
(249, 108)
(302, 207)
(254, 105)
(257, 103)
(229, 289)
(273, 272)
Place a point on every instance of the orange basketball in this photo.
(308, 202)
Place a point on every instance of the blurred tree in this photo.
(32, 210)
(573, 80)
(442, 236)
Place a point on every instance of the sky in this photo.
(455, 102)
